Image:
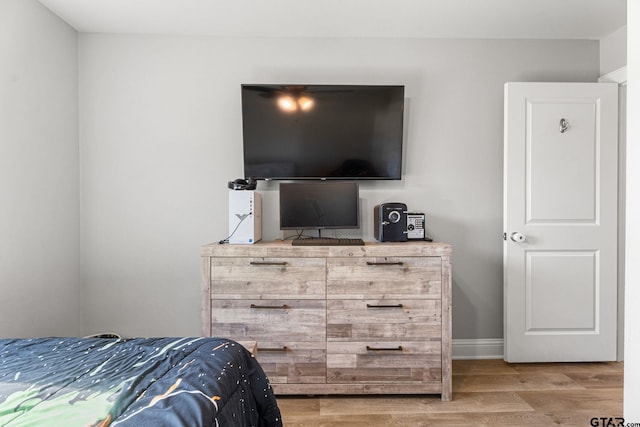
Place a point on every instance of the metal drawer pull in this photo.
(385, 306)
(268, 263)
(385, 263)
(398, 348)
(273, 349)
(271, 307)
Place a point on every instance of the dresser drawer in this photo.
(383, 320)
(295, 320)
(366, 362)
(384, 277)
(268, 278)
(291, 362)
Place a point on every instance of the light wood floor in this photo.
(485, 393)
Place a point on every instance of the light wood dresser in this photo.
(372, 319)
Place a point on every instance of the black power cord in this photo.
(242, 218)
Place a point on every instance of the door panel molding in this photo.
(551, 272)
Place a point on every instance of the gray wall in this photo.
(39, 194)
(613, 51)
(161, 135)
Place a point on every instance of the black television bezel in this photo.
(400, 146)
(325, 183)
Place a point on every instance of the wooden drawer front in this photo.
(383, 320)
(384, 277)
(287, 362)
(361, 362)
(295, 320)
(268, 278)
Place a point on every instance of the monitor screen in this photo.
(322, 131)
(319, 205)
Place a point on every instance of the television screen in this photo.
(319, 205)
(322, 131)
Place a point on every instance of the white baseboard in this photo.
(478, 349)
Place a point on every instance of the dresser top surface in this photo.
(283, 248)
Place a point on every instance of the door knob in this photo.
(518, 237)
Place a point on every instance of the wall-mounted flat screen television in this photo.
(319, 205)
(322, 131)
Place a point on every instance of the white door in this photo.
(560, 222)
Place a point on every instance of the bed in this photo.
(133, 382)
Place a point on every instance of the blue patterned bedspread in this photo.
(134, 382)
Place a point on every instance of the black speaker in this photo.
(390, 222)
